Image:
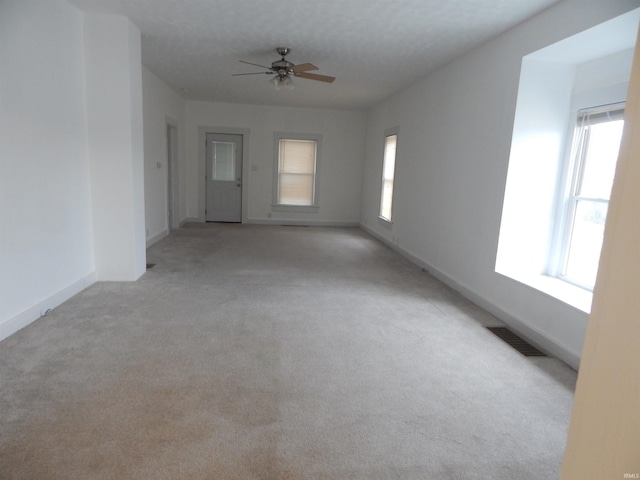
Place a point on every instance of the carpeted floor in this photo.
(254, 352)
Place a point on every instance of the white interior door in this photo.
(224, 178)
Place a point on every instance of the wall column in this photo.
(604, 433)
(114, 114)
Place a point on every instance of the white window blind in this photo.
(296, 172)
(223, 158)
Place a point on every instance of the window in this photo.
(594, 156)
(556, 197)
(388, 173)
(296, 169)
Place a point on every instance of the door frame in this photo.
(227, 190)
(202, 167)
(173, 198)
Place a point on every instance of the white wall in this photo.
(604, 72)
(71, 172)
(453, 152)
(114, 118)
(46, 252)
(538, 146)
(161, 106)
(340, 168)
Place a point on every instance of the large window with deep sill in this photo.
(566, 135)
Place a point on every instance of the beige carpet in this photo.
(253, 352)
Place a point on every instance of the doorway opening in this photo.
(172, 177)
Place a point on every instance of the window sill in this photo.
(384, 222)
(295, 208)
(566, 292)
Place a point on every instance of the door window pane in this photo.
(223, 161)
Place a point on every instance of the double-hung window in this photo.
(388, 174)
(296, 171)
(594, 155)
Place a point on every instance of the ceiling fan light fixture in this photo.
(282, 81)
(288, 83)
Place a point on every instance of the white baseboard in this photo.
(300, 223)
(33, 313)
(285, 222)
(521, 327)
(157, 238)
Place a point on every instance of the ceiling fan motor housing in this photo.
(282, 67)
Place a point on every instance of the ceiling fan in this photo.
(282, 71)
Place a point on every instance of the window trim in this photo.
(390, 132)
(279, 207)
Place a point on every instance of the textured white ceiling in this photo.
(373, 47)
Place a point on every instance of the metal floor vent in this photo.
(150, 266)
(516, 342)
